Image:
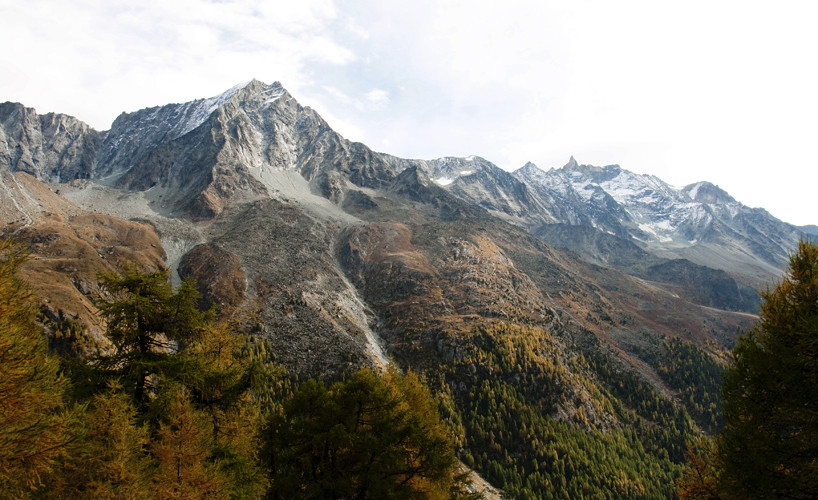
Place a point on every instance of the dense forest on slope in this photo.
(179, 406)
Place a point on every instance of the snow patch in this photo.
(196, 112)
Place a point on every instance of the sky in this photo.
(718, 90)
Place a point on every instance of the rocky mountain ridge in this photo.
(254, 142)
(560, 284)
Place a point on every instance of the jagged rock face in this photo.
(206, 154)
(478, 182)
(51, 147)
(705, 192)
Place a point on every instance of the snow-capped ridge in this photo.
(706, 192)
(446, 170)
(196, 112)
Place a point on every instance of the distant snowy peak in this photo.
(626, 187)
(705, 192)
(618, 201)
(444, 171)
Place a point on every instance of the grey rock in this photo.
(51, 147)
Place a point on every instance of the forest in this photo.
(178, 404)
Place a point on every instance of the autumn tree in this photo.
(183, 450)
(700, 478)
(769, 446)
(111, 459)
(367, 437)
(32, 421)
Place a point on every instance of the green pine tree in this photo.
(769, 446)
(148, 322)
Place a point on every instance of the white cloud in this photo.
(95, 59)
(377, 98)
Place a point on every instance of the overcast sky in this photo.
(725, 91)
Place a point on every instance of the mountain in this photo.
(51, 147)
(558, 300)
(699, 222)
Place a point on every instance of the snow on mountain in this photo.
(654, 210)
(194, 113)
(700, 221)
(444, 171)
(255, 140)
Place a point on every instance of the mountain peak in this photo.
(529, 169)
(255, 86)
(572, 163)
(705, 192)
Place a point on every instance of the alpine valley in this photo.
(573, 323)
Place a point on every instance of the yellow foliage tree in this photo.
(32, 424)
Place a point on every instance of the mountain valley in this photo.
(549, 311)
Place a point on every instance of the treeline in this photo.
(176, 405)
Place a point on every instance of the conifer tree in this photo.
(147, 322)
(110, 461)
(367, 437)
(182, 450)
(769, 446)
(32, 423)
(165, 346)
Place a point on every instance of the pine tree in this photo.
(148, 322)
(32, 420)
(110, 461)
(182, 450)
(165, 346)
(368, 437)
(769, 446)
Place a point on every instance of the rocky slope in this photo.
(253, 185)
(560, 285)
(68, 247)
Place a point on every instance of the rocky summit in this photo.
(563, 296)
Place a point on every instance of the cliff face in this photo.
(51, 147)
